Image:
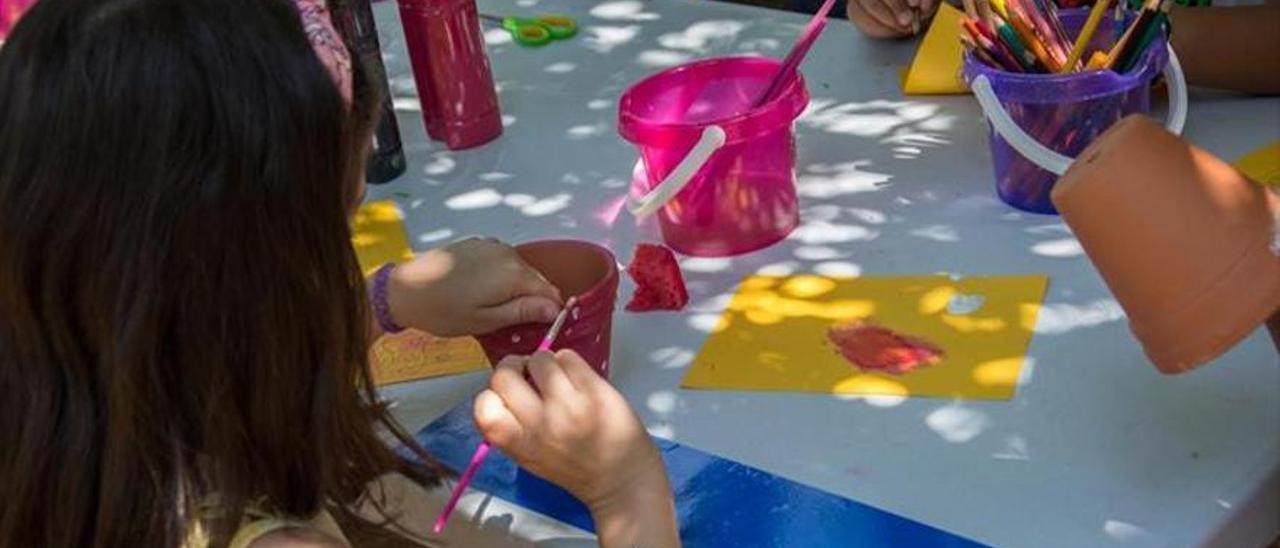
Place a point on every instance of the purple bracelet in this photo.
(378, 300)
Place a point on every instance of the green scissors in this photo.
(538, 31)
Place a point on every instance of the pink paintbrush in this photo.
(797, 53)
(483, 450)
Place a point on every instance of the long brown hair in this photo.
(182, 318)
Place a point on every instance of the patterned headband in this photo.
(318, 24)
(316, 21)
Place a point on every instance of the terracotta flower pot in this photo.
(1186, 243)
(580, 269)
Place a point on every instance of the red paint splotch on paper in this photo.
(871, 347)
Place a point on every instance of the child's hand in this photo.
(891, 18)
(576, 431)
(471, 287)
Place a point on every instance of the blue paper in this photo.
(718, 502)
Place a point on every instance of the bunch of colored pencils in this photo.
(1147, 27)
(1028, 36)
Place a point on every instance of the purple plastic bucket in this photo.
(1064, 112)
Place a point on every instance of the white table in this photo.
(1096, 449)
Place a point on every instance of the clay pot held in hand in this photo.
(1186, 243)
(580, 269)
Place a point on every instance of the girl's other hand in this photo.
(578, 432)
(471, 287)
(891, 18)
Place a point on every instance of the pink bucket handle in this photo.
(713, 137)
(1049, 159)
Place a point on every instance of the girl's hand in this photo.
(576, 431)
(471, 287)
(891, 18)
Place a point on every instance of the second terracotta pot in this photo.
(1187, 244)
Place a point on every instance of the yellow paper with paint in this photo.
(936, 67)
(773, 335)
(379, 238)
(412, 355)
(1262, 165)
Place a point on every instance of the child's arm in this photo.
(576, 431)
(1232, 48)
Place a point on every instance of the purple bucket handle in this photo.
(713, 137)
(1050, 160)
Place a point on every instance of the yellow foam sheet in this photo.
(936, 67)
(411, 355)
(773, 335)
(1262, 165)
(379, 238)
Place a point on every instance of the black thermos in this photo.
(354, 20)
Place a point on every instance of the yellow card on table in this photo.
(936, 67)
(411, 355)
(774, 334)
(1262, 165)
(379, 238)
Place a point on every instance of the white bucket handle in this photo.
(1049, 159)
(713, 137)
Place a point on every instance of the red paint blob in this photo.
(874, 348)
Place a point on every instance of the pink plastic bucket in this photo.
(580, 269)
(719, 174)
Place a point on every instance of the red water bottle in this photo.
(455, 85)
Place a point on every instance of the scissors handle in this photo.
(537, 31)
(526, 32)
(561, 26)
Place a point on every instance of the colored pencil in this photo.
(1010, 58)
(985, 13)
(1117, 27)
(1033, 43)
(1139, 47)
(1000, 7)
(996, 45)
(1011, 39)
(1131, 34)
(997, 57)
(1086, 34)
(979, 52)
(1036, 17)
(1063, 38)
(1097, 61)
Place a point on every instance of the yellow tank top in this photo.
(258, 525)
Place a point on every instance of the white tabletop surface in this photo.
(1096, 448)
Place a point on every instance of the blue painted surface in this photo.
(719, 502)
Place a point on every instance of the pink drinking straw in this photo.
(797, 54)
(483, 450)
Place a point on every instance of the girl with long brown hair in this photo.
(183, 324)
